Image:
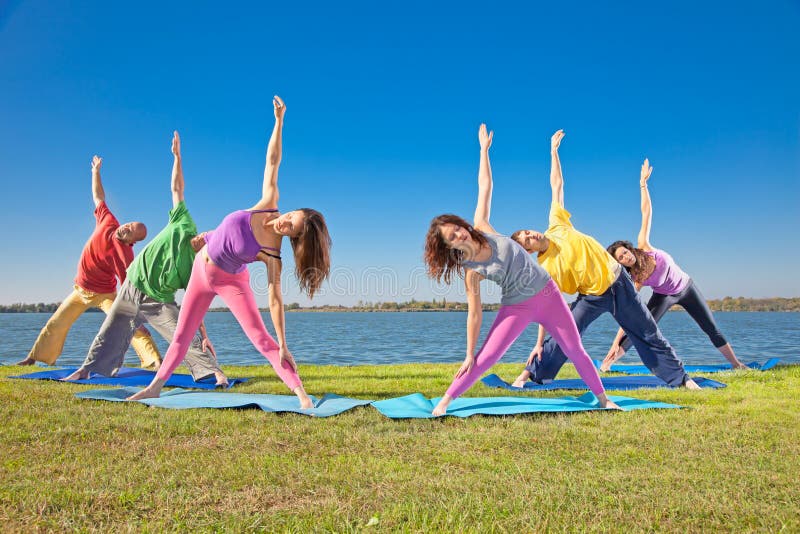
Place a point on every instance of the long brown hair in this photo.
(442, 260)
(644, 266)
(312, 252)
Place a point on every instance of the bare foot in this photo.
(605, 402)
(26, 361)
(741, 367)
(150, 392)
(305, 402)
(523, 377)
(222, 380)
(691, 384)
(441, 408)
(80, 374)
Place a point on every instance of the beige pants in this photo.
(51, 339)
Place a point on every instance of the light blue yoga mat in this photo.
(416, 406)
(179, 399)
(130, 377)
(612, 383)
(642, 370)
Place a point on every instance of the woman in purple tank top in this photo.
(653, 267)
(220, 269)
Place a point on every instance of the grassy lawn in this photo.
(730, 462)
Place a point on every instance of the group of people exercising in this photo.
(214, 263)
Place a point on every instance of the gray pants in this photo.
(131, 309)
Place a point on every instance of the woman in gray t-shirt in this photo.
(529, 295)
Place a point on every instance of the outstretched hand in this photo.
(555, 141)
(485, 138)
(647, 170)
(279, 107)
(466, 367)
(97, 162)
(286, 357)
(176, 144)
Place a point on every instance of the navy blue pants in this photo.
(622, 301)
(691, 300)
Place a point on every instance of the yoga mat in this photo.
(416, 406)
(130, 377)
(613, 383)
(642, 370)
(179, 399)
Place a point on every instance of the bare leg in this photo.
(441, 408)
(305, 400)
(523, 377)
(222, 380)
(150, 392)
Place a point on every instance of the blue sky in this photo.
(384, 102)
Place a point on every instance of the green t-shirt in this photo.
(165, 264)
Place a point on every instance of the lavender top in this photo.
(667, 278)
(232, 245)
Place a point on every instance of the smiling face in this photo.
(625, 257)
(531, 240)
(290, 224)
(131, 232)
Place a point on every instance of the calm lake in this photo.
(358, 338)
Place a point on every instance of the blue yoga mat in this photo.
(179, 399)
(642, 370)
(613, 383)
(416, 406)
(130, 377)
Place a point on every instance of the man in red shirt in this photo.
(104, 259)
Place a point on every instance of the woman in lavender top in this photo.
(220, 269)
(653, 267)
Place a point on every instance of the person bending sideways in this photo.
(148, 294)
(104, 259)
(220, 268)
(476, 252)
(649, 266)
(579, 264)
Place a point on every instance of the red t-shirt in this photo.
(104, 258)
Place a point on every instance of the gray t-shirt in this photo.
(512, 268)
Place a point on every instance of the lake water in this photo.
(358, 338)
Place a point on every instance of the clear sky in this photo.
(383, 101)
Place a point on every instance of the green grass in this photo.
(729, 462)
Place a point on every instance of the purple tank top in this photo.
(232, 245)
(667, 278)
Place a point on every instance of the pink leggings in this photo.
(206, 282)
(547, 307)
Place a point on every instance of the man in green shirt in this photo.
(148, 294)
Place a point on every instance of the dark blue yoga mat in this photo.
(130, 377)
(642, 370)
(179, 399)
(613, 383)
(416, 406)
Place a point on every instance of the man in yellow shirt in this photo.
(579, 264)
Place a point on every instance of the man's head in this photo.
(531, 240)
(131, 232)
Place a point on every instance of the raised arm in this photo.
(484, 207)
(647, 207)
(177, 170)
(98, 194)
(269, 193)
(556, 178)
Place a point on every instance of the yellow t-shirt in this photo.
(577, 262)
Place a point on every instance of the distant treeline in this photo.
(413, 305)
